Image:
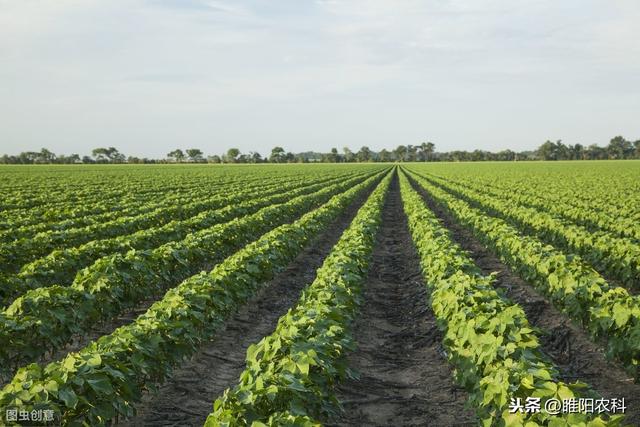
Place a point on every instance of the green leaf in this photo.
(95, 360)
(51, 386)
(69, 397)
(564, 392)
(101, 385)
(259, 384)
(304, 367)
(621, 315)
(252, 352)
(69, 363)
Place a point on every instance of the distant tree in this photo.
(255, 157)
(400, 153)
(71, 159)
(548, 151)
(577, 152)
(477, 155)
(348, 154)
(364, 154)
(277, 155)
(232, 155)
(45, 156)
(28, 157)
(384, 156)
(177, 155)
(620, 148)
(526, 155)
(559, 151)
(108, 155)
(422, 155)
(459, 156)
(100, 154)
(115, 156)
(290, 157)
(595, 152)
(195, 155)
(563, 151)
(333, 157)
(506, 155)
(426, 151)
(412, 153)
(617, 148)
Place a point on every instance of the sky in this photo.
(149, 76)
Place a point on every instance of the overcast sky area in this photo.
(148, 76)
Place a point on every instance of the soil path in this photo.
(567, 344)
(187, 398)
(404, 377)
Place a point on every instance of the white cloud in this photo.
(153, 74)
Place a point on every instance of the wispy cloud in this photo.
(250, 73)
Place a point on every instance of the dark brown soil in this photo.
(187, 398)
(567, 344)
(404, 377)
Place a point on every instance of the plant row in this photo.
(58, 195)
(75, 197)
(291, 374)
(21, 251)
(104, 380)
(85, 213)
(84, 192)
(43, 195)
(61, 266)
(611, 189)
(137, 204)
(592, 219)
(592, 194)
(47, 318)
(495, 351)
(610, 313)
(616, 257)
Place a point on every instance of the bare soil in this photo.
(567, 344)
(404, 377)
(187, 398)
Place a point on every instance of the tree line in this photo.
(618, 148)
